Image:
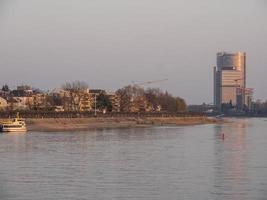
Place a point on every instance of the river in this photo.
(186, 162)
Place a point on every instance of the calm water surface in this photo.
(191, 162)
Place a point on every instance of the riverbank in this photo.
(83, 124)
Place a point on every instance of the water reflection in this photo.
(230, 180)
(190, 162)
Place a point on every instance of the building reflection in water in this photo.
(230, 161)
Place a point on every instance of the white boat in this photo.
(15, 125)
(219, 116)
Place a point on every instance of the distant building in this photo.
(22, 91)
(21, 103)
(113, 97)
(39, 101)
(4, 94)
(3, 104)
(96, 91)
(248, 98)
(61, 97)
(85, 103)
(230, 80)
(115, 101)
(203, 108)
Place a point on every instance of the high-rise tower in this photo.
(230, 79)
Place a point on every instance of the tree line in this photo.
(131, 98)
(134, 98)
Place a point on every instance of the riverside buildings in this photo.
(230, 81)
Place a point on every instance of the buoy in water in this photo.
(222, 135)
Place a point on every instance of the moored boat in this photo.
(15, 125)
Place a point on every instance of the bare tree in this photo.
(132, 98)
(75, 86)
(135, 99)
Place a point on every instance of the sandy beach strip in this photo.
(83, 124)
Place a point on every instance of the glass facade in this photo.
(229, 75)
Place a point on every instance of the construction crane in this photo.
(148, 82)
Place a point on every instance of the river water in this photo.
(190, 162)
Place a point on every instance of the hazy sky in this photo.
(109, 43)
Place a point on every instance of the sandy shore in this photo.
(82, 124)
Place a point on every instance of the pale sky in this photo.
(110, 43)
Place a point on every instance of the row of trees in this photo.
(259, 107)
(134, 98)
(131, 98)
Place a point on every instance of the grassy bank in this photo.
(82, 124)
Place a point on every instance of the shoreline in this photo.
(86, 124)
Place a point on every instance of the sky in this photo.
(110, 43)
